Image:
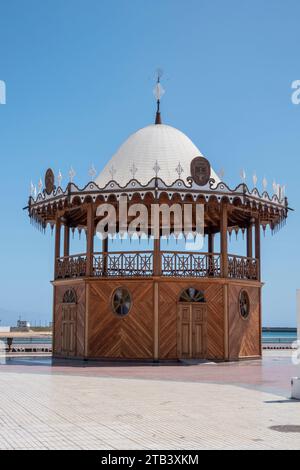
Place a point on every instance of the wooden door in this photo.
(68, 331)
(191, 330)
(198, 312)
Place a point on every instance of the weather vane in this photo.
(158, 93)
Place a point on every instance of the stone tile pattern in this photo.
(55, 411)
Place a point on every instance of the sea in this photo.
(269, 335)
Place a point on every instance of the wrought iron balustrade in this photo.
(71, 266)
(187, 264)
(123, 264)
(241, 267)
(172, 263)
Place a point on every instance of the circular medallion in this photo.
(49, 181)
(200, 170)
(121, 301)
(244, 304)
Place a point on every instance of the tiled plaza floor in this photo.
(202, 406)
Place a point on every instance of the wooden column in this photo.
(57, 243)
(224, 239)
(156, 322)
(104, 250)
(211, 249)
(257, 245)
(211, 242)
(156, 257)
(226, 322)
(66, 240)
(249, 241)
(90, 240)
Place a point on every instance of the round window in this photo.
(121, 301)
(244, 304)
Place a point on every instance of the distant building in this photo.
(23, 324)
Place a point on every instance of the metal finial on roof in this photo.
(158, 93)
(92, 172)
(156, 168)
(133, 169)
(221, 173)
(59, 178)
(40, 185)
(179, 170)
(32, 188)
(112, 171)
(72, 174)
(265, 183)
(243, 175)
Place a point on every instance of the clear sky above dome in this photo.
(80, 78)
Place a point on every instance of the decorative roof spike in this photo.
(278, 191)
(179, 170)
(254, 179)
(243, 175)
(40, 185)
(34, 192)
(72, 174)
(221, 173)
(274, 186)
(265, 183)
(112, 172)
(156, 168)
(31, 189)
(92, 172)
(158, 93)
(59, 178)
(133, 169)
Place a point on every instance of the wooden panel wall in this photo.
(169, 292)
(130, 337)
(244, 335)
(80, 322)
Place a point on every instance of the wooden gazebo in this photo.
(156, 304)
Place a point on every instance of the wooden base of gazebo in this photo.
(160, 326)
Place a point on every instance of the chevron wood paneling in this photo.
(80, 317)
(130, 337)
(244, 335)
(169, 293)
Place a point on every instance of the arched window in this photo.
(69, 297)
(192, 295)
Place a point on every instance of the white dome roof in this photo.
(138, 155)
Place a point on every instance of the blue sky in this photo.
(79, 77)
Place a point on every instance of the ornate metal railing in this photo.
(123, 264)
(190, 264)
(71, 266)
(241, 267)
(172, 263)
